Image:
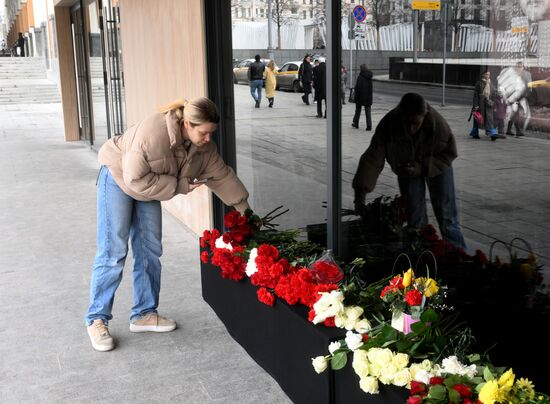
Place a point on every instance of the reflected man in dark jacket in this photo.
(319, 79)
(305, 75)
(363, 96)
(419, 146)
(256, 79)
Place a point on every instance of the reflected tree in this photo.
(281, 14)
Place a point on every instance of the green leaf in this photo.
(474, 358)
(429, 316)
(339, 360)
(488, 375)
(437, 392)
(419, 327)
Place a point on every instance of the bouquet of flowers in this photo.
(408, 297)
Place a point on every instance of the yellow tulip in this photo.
(407, 277)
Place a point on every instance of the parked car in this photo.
(287, 77)
(240, 73)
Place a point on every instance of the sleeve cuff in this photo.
(242, 206)
(183, 186)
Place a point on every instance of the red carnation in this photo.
(397, 283)
(268, 250)
(436, 380)
(265, 297)
(204, 257)
(241, 220)
(365, 337)
(415, 400)
(413, 297)
(230, 219)
(311, 315)
(329, 322)
(463, 390)
(417, 387)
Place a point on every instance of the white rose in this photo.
(374, 370)
(360, 363)
(343, 321)
(220, 244)
(388, 373)
(333, 346)
(426, 364)
(369, 385)
(401, 360)
(380, 356)
(319, 363)
(402, 378)
(353, 340)
(363, 326)
(251, 267)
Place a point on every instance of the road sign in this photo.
(426, 5)
(359, 13)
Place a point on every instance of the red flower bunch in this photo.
(265, 296)
(231, 263)
(326, 272)
(270, 267)
(455, 391)
(395, 286)
(209, 238)
(239, 230)
(413, 297)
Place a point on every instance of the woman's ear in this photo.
(186, 124)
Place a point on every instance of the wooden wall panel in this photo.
(163, 51)
(67, 72)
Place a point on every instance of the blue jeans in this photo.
(256, 87)
(442, 196)
(120, 218)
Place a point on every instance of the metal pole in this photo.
(444, 50)
(415, 36)
(351, 35)
(334, 125)
(269, 35)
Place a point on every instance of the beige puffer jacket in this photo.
(152, 161)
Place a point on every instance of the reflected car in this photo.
(287, 77)
(240, 73)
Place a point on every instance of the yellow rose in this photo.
(431, 287)
(407, 277)
(489, 392)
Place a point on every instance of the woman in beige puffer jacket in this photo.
(152, 161)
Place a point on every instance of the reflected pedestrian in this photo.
(484, 100)
(305, 76)
(256, 79)
(319, 82)
(270, 82)
(499, 111)
(419, 146)
(363, 96)
(166, 154)
(343, 82)
(21, 45)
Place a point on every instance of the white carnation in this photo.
(221, 244)
(251, 267)
(452, 365)
(329, 305)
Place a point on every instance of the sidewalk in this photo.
(47, 219)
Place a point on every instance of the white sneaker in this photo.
(100, 337)
(152, 322)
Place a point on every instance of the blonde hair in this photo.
(271, 65)
(197, 110)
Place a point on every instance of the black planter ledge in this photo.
(282, 341)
